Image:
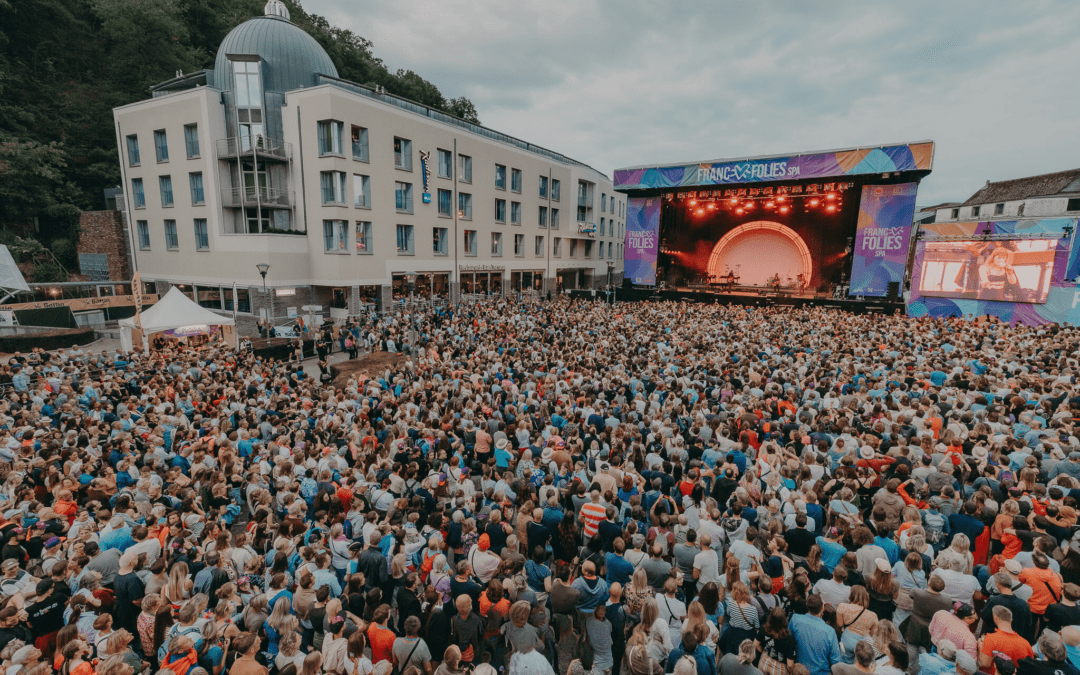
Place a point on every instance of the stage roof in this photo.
(899, 157)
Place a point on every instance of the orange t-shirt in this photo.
(382, 643)
(1045, 588)
(1010, 644)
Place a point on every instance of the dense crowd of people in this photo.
(552, 487)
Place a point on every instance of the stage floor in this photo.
(749, 299)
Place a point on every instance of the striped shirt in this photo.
(591, 515)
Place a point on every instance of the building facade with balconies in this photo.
(347, 193)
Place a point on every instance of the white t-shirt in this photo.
(707, 564)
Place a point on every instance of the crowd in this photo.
(552, 487)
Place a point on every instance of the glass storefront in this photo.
(527, 280)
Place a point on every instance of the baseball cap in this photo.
(1013, 566)
(52, 541)
(9, 564)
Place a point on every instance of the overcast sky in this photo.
(614, 83)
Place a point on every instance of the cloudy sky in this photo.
(614, 83)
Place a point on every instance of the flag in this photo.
(137, 291)
(234, 298)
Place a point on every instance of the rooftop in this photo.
(1024, 188)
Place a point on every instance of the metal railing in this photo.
(248, 146)
(251, 196)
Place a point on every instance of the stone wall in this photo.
(105, 232)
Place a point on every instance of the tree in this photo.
(463, 108)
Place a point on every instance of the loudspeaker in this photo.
(893, 290)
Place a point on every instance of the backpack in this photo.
(177, 629)
(934, 524)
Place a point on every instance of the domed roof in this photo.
(292, 58)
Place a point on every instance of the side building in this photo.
(354, 198)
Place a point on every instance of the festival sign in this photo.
(642, 240)
(80, 304)
(882, 238)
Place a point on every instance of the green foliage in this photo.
(49, 271)
(65, 64)
(463, 108)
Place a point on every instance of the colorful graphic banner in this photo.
(909, 157)
(882, 238)
(642, 240)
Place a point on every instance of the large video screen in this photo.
(1004, 271)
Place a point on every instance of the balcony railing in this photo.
(247, 146)
(250, 196)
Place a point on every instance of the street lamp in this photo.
(410, 277)
(610, 271)
(263, 269)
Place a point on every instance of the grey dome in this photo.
(290, 56)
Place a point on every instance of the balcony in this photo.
(275, 198)
(243, 147)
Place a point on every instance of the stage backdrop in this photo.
(881, 240)
(1063, 300)
(642, 240)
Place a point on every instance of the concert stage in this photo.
(806, 223)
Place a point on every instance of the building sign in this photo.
(480, 268)
(81, 304)
(810, 190)
(425, 167)
(587, 228)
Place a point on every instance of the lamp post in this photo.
(410, 277)
(610, 272)
(263, 269)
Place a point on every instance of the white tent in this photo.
(175, 312)
(11, 279)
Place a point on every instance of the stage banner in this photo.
(642, 240)
(881, 240)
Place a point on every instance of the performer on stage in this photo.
(730, 280)
(775, 282)
(801, 281)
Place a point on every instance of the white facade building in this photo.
(345, 192)
(1052, 195)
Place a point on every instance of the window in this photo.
(137, 195)
(247, 89)
(161, 145)
(573, 248)
(335, 236)
(541, 216)
(361, 186)
(465, 164)
(243, 303)
(330, 133)
(165, 186)
(133, 150)
(554, 219)
(440, 243)
(609, 244)
(496, 243)
(359, 143)
(202, 237)
(555, 189)
(363, 236)
(539, 248)
(543, 187)
(601, 227)
(191, 140)
(999, 209)
(601, 252)
(446, 203)
(556, 247)
(403, 197)
(144, 235)
(974, 211)
(955, 214)
(500, 210)
(1073, 205)
(446, 163)
(403, 154)
(515, 213)
(470, 242)
(333, 187)
(405, 239)
(464, 206)
(196, 185)
(171, 241)
(519, 245)
(515, 180)
(500, 177)
(588, 248)
(603, 201)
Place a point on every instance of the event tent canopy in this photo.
(172, 312)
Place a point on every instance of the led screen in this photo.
(1003, 271)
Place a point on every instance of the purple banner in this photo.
(858, 161)
(642, 240)
(882, 238)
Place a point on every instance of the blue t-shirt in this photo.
(535, 575)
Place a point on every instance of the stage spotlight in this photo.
(769, 204)
(830, 208)
(748, 205)
(693, 202)
(783, 209)
(831, 195)
(813, 202)
(712, 207)
(739, 211)
(701, 212)
(781, 199)
(734, 202)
